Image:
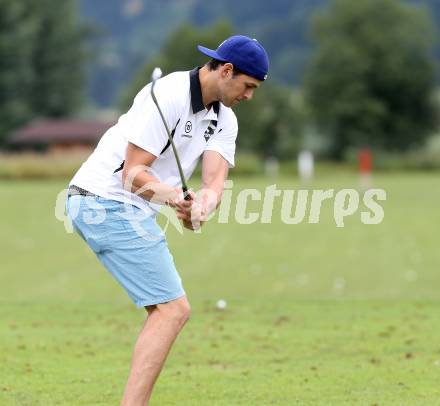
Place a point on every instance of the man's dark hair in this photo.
(213, 64)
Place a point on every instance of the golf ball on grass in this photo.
(221, 304)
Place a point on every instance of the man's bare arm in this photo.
(137, 177)
(214, 174)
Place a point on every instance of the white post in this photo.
(306, 166)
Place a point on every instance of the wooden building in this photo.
(59, 136)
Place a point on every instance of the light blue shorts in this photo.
(130, 244)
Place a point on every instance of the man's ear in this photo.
(227, 70)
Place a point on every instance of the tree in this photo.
(16, 39)
(371, 78)
(57, 59)
(41, 60)
(271, 124)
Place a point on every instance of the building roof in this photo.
(64, 130)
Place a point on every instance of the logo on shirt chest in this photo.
(188, 128)
(208, 132)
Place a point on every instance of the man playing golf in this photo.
(115, 195)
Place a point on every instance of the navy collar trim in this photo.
(196, 93)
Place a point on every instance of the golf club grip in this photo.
(186, 195)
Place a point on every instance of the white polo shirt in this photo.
(194, 128)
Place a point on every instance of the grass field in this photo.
(316, 315)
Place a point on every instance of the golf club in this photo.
(157, 74)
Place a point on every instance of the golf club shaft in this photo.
(179, 166)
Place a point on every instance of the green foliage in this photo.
(41, 59)
(16, 41)
(270, 124)
(58, 59)
(371, 78)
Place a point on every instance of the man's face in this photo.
(235, 88)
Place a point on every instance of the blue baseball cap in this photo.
(245, 53)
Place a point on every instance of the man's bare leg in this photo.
(161, 328)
